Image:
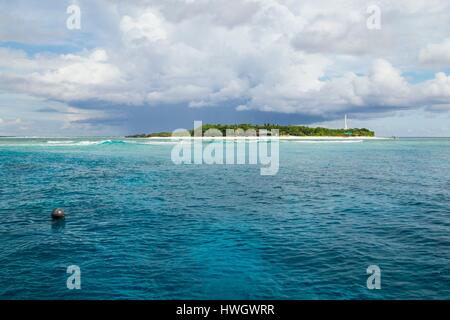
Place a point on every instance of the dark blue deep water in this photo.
(140, 227)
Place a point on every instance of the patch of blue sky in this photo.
(419, 76)
(33, 49)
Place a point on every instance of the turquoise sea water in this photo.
(140, 227)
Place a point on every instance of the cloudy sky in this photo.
(161, 64)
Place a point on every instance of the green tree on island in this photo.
(290, 130)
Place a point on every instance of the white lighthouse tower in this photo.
(345, 122)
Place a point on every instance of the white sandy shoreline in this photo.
(314, 138)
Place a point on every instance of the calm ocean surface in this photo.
(141, 227)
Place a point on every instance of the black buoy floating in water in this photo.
(58, 214)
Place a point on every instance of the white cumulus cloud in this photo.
(436, 53)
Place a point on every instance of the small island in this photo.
(284, 131)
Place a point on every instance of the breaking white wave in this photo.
(60, 142)
(73, 143)
(83, 143)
